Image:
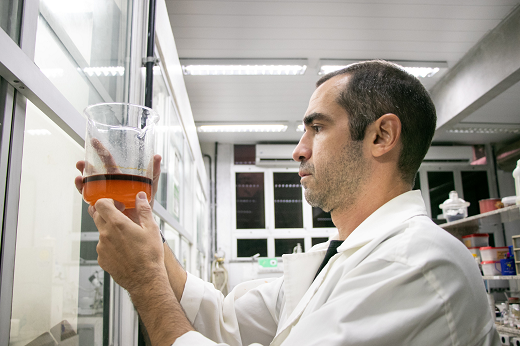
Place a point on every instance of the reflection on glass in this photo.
(250, 209)
(10, 18)
(475, 187)
(170, 145)
(49, 282)
(287, 200)
(251, 247)
(244, 154)
(82, 47)
(440, 184)
(287, 246)
(321, 219)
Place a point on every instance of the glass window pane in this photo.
(287, 200)
(417, 182)
(51, 282)
(440, 184)
(82, 47)
(321, 219)
(250, 200)
(316, 241)
(285, 246)
(170, 145)
(10, 18)
(251, 247)
(475, 187)
(245, 154)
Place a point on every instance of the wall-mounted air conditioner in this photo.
(275, 155)
(449, 154)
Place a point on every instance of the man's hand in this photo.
(130, 250)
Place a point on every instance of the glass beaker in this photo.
(119, 150)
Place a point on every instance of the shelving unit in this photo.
(471, 224)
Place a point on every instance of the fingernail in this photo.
(142, 195)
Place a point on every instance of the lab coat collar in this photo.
(392, 213)
(299, 269)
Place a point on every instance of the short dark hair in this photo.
(379, 87)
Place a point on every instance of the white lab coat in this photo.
(398, 279)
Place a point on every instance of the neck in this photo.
(371, 197)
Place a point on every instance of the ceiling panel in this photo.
(428, 30)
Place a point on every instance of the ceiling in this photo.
(424, 30)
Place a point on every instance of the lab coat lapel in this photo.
(381, 225)
(299, 271)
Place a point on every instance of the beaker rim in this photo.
(153, 115)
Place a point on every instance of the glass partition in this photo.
(48, 289)
(170, 145)
(82, 47)
(10, 18)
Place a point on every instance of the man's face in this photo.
(332, 166)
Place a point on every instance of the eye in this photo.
(316, 128)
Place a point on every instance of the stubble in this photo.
(337, 182)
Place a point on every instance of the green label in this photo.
(268, 262)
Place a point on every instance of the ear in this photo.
(385, 134)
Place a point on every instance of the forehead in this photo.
(324, 98)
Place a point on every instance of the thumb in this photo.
(144, 210)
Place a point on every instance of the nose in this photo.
(303, 151)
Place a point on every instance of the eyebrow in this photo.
(309, 119)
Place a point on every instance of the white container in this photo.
(454, 208)
(475, 251)
(509, 201)
(516, 175)
(489, 253)
(491, 268)
(476, 240)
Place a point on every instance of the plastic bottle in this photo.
(516, 175)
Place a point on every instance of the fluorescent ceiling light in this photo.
(300, 128)
(104, 70)
(243, 67)
(420, 69)
(39, 132)
(484, 128)
(242, 128)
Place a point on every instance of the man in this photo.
(392, 277)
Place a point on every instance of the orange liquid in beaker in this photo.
(119, 187)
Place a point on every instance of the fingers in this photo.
(105, 211)
(78, 181)
(105, 156)
(144, 210)
(80, 165)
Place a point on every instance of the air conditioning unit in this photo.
(449, 154)
(275, 155)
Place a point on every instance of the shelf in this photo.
(501, 277)
(506, 214)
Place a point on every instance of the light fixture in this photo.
(243, 67)
(252, 127)
(484, 128)
(39, 132)
(104, 70)
(420, 69)
(300, 128)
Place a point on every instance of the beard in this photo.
(338, 180)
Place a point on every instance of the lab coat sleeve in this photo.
(247, 315)
(389, 303)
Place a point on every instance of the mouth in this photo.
(303, 174)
